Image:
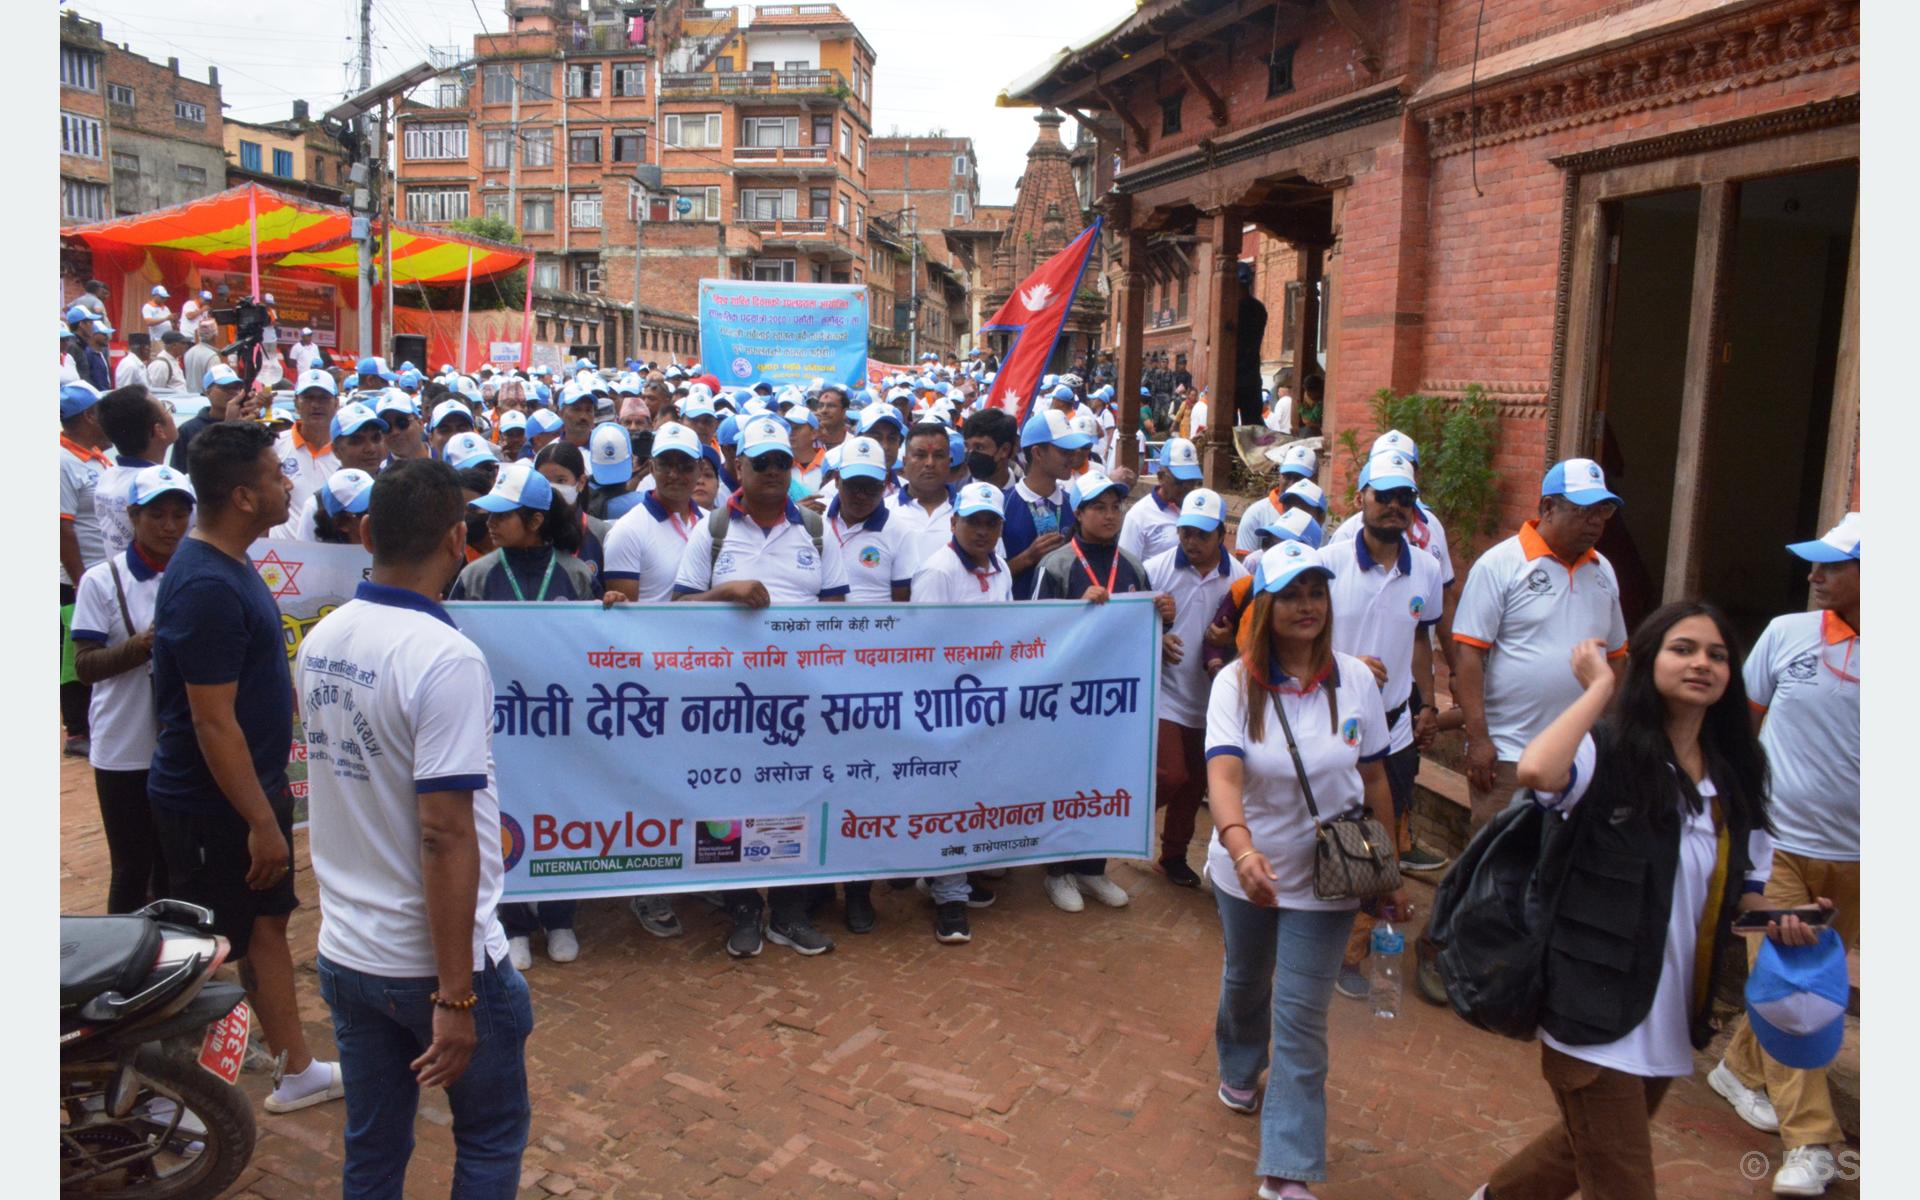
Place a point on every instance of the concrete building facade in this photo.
(298, 155)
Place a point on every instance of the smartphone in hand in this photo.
(1758, 920)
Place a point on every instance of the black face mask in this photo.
(982, 466)
(643, 446)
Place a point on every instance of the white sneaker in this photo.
(1064, 895)
(1751, 1104)
(1806, 1172)
(562, 946)
(319, 1083)
(520, 950)
(1105, 890)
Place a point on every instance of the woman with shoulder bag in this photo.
(1296, 743)
(1664, 788)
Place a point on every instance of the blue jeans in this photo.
(381, 1024)
(1275, 986)
(524, 918)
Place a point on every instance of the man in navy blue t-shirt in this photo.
(224, 697)
(1039, 510)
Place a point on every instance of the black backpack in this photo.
(1493, 915)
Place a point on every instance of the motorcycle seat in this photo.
(105, 954)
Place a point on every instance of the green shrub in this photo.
(1456, 440)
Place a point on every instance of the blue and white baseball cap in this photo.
(1285, 563)
(1393, 439)
(468, 450)
(159, 291)
(519, 486)
(543, 422)
(1308, 492)
(874, 415)
(1094, 484)
(1180, 458)
(77, 397)
(511, 420)
(575, 393)
(979, 497)
(315, 379)
(863, 458)
(697, 404)
(1294, 525)
(81, 312)
(393, 400)
(676, 438)
(1295, 458)
(1203, 509)
(765, 435)
(1797, 1000)
(1839, 544)
(347, 490)
(282, 409)
(1388, 470)
(798, 414)
(219, 375)
(153, 482)
(374, 365)
(409, 379)
(1062, 393)
(449, 408)
(956, 447)
(610, 454)
(1103, 392)
(354, 417)
(1049, 426)
(1580, 480)
(1084, 425)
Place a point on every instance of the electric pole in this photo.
(365, 322)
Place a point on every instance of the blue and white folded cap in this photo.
(1580, 480)
(1387, 471)
(1294, 525)
(154, 482)
(374, 365)
(77, 397)
(543, 422)
(316, 380)
(518, 486)
(1839, 544)
(1308, 492)
(1295, 458)
(449, 408)
(1180, 458)
(610, 454)
(1203, 509)
(676, 438)
(1049, 426)
(354, 417)
(1285, 563)
(765, 435)
(219, 375)
(511, 420)
(393, 400)
(1393, 439)
(468, 450)
(798, 414)
(1093, 484)
(979, 497)
(873, 417)
(697, 404)
(1797, 1000)
(863, 458)
(346, 491)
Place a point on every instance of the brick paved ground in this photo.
(1058, 1055)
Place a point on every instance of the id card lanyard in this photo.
(553, 557)
(1112, 574)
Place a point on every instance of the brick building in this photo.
(299, 155)
(1633, 223)
(134, 135)
(972, 244)
(937, 177)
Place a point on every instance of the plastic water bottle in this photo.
(1383, 972)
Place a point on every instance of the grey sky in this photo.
(939, 62)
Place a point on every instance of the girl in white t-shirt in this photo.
(1284, 944)
(113, 645)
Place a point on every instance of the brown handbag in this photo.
(1354, 857)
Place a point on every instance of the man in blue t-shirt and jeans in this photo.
(222, 810)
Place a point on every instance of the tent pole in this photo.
(526, 324)
(253, 244)
(466, 305)
(386, 241)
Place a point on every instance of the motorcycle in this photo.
(150, 1055)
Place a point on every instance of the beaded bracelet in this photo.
(440, 1001)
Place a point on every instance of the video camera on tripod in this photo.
(250, 320)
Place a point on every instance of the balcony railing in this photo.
(783, 156)
(755, 83)
(797, 230)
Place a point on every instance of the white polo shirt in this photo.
(924, 531)
(1274, 806)
(784, 560)
(397, 703)
(303, 357)
(646, 546)
(80, 471)
(1196, 597)
(110, 497)
(1804, 672)
(949, 577)
(1425, 532)
(129, 371)
(877, 552)
(1264, 511)
(308, 466)
(1150, 527)
(1527, 610)
(121, 713)
(1378, 611)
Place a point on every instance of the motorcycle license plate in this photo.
(226, 1044)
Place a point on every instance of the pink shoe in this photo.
(1289, 1189)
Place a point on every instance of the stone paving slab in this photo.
(1057, 1055)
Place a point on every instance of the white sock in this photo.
(317, 1075)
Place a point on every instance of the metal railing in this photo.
(770, 156)
(755, 83)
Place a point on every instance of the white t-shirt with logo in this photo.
(121, 714)
(309, 469)
(1424, 532)
(646, 545)
(1150, 527)
(1196, 597)
(79, 484)
(397, 703)
(1528, 610)
(1378, 611)
(303, 357)
(877, 553)
(159, 319)
(783, 560)
(944, 578)
(924, 532)
(110, 498)
(1274, 806)
(1805, 672)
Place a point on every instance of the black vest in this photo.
(1610, 929)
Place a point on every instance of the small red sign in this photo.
(226, 1044)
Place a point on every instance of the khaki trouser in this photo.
(1800, 1098)
(1603, 1145)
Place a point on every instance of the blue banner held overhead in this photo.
(783, 332)
(682, 747)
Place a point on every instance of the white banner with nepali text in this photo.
(682, 747)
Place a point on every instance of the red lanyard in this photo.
(1842, 674)
(677, 526)
(1112, 574)
(844, 536)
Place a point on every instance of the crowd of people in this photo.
(1299, 682)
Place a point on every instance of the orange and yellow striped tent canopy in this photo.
(295, 234)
